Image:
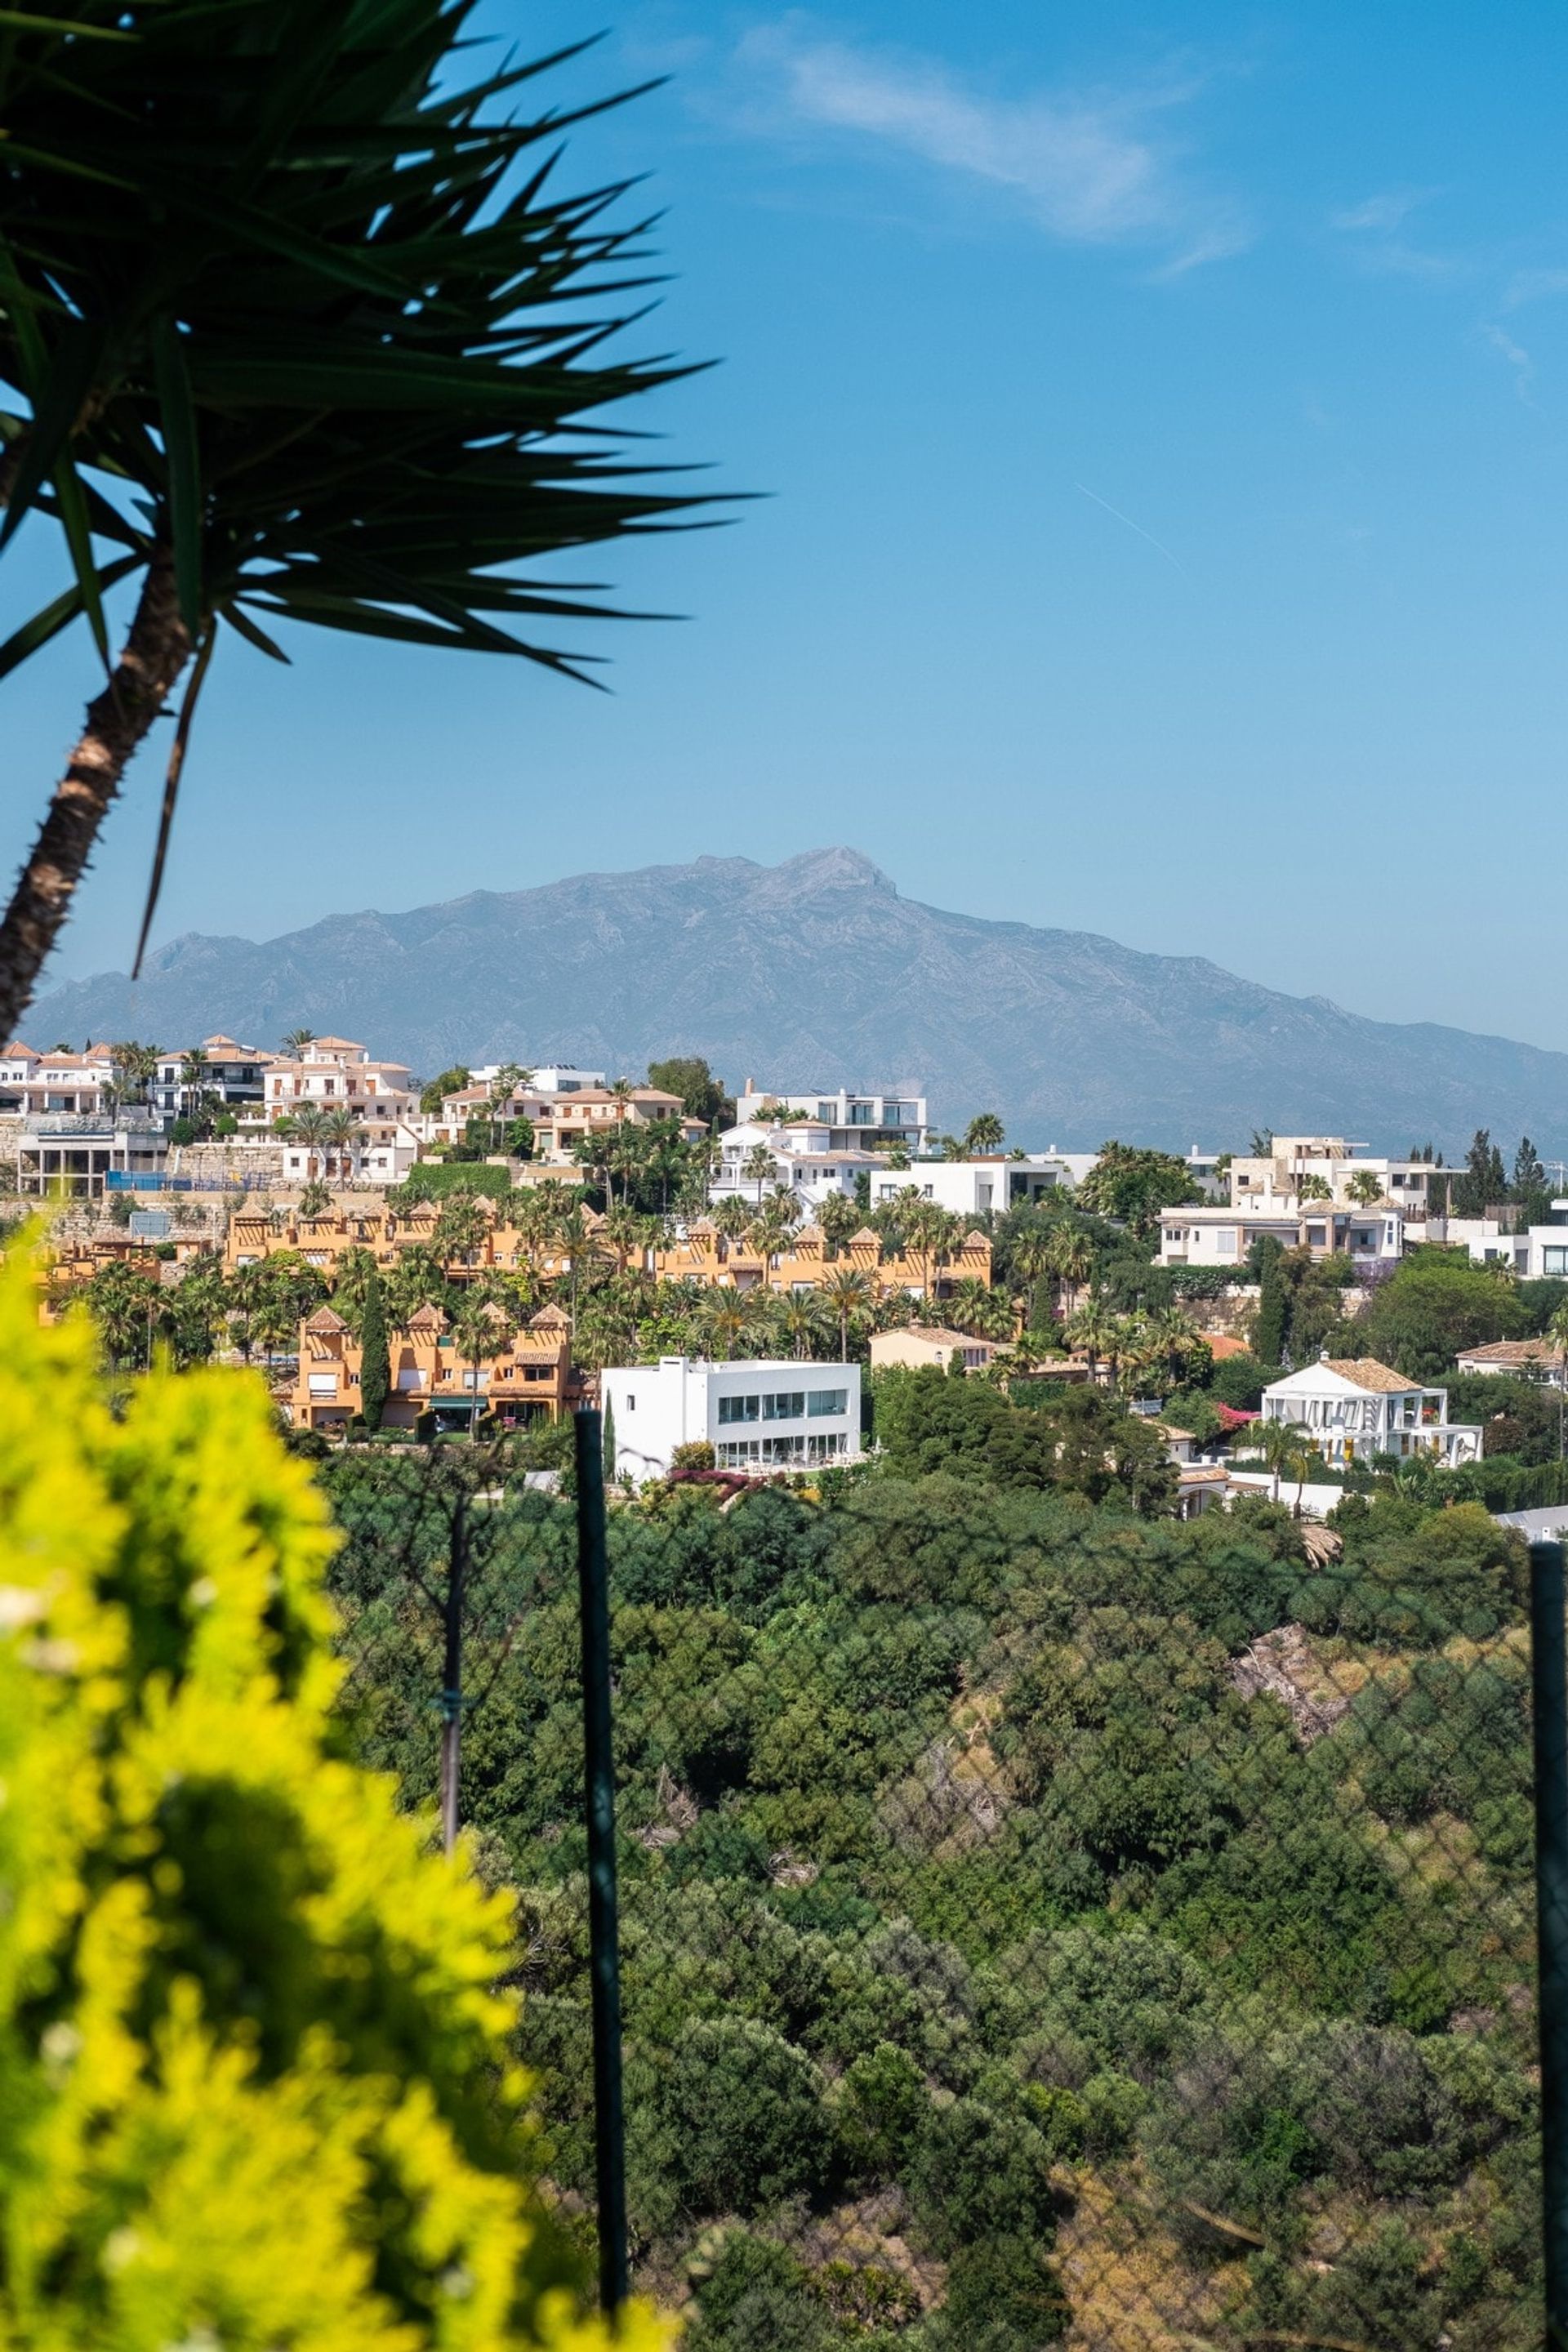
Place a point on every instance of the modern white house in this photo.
(759, 1416)
(1546, 1251)
(972, 1188)
(552, 1078)
(1354, 1407)
(892, 1116)
(1275, 1177)
(804, 1158)
(1209, 1235)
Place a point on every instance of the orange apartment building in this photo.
(253, 1234)
(526, 1379)
(704, 1256)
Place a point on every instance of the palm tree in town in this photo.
(479, 1336)
(1365, 1188)
(416, 1278)
(338, 1132)
(351, 1280)
(984, 1132)
(294, 1042)
(626, 1233)
(135, 1067)
(846, 1296)
(802, 1322)
(978, 1310)
(840, 1217)
(309, 1126)
(1071, 1258)
(1092, 1330)
(193, 1079)
(1287, 1452)
(733, 1218)
(1176, 1337)
(929, 1232)
(461, 1230)
(726, 1316)
(757, 1168)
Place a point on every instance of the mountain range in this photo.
(818, 973)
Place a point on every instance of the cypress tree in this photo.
(374, 1369)
(1273, 1305)
(609, 1443)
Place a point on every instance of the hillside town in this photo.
(722, 1273)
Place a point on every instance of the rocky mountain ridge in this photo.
(816, 972)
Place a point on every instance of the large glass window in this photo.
(737, 1408)
(784, 1404)
(825, 1401)
(1553, 1261)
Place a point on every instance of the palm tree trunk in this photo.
(156, 651)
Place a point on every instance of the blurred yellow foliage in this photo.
(254, 2087)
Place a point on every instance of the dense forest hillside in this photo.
(1044, 1920)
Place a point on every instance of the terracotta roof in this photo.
(326, 1320)
(1221, 1345)
(1366, 1372)
(427, 1319)
(16, 1051)
(550, 1319)
(940, 1336)
(1541, 1352)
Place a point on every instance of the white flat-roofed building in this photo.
(1545, 1255)
(972, 1188)
(892, 1116)
(1205, 1235)
(1275, 1177)
(550, 1078)
(757, 1416)
(1351, 1408)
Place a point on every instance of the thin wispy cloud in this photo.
(1534, 286)
(1095, 168)
(1517, 359)
(1376, 231)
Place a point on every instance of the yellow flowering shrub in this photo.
(254, 2089)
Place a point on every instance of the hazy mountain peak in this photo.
(815, 972)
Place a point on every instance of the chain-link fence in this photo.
(1039, 1923)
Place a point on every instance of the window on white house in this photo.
(826, 1402)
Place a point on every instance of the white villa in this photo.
(758, 1415)
(1356, 1407)
(803, 1161)
(970, 1188)
(849, 1117)
(1275, 1177)
(1209, 1235)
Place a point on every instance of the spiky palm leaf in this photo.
(297, 330)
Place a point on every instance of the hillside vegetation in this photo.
(1042, 1921)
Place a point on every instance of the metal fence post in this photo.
(452, 1677)
(599, 1785)
(1549, 1694)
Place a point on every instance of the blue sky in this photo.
(1163, 413)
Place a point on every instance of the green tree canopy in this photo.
(1133, 1185)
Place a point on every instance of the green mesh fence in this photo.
(1043, 1923)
